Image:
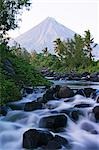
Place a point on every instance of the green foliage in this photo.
(46, 61)
(72, 54)
(9, 91)
(77, 52)
(24, 74)
(89, 44)
(8, 13)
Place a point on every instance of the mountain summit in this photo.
(43, 35)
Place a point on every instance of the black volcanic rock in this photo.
(53, 122)
(87, 92)
(50, 94)
(30, 106)
(65, 92)
(56, 143)
(96, 112)
(36, 138)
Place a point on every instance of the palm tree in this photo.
(45, 51)
(89, 44)
(57, 46)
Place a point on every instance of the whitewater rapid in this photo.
(16, 122)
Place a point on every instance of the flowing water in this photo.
(15, 123)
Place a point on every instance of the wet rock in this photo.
(36, 138)
(65, 92)
(3, 110)
(57, 143)
(30, 106)
(80, 92)
(88, 91)
(96, 112)
(75, 115)
(53, 122)
(88, 127)
(82, 105)
(53, 145)
(50, 94)
(63, 141)
(16, 106)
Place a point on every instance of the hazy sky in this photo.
(78, 15)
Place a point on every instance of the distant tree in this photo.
(79, 55)
(89, 44)
(71, 52)
(59, 48)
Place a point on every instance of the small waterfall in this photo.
(82, 134)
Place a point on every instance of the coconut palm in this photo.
(89, 44)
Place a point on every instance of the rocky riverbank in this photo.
(94, 77)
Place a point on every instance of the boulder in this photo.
(88, 91)
(53, 122)
(80, 92)
(36, 138)
(30, 106)
(53, 145)
(50, 94)
(65, 92)
(75, 115)
(57, 143)
(16, 106)
(96, 112)
(63, 141)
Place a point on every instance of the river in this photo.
(15, 123)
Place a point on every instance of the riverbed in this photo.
(16, 122)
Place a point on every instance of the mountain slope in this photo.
(43, 35)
